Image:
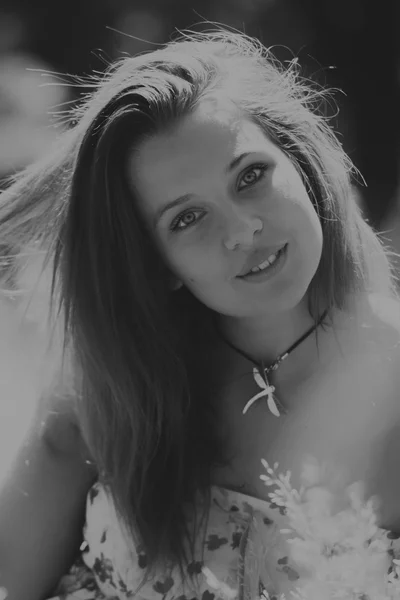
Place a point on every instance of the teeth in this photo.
(270, 260)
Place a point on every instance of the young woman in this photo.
(222, 301)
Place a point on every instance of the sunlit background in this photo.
(346, 44)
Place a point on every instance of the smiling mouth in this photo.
(266, 265)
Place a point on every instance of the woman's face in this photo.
(219, 197)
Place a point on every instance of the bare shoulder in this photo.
(381, 340)
(387, 315)
(386, 310)
(385, 458)
(60, 430)
(384, 325)
(43, 498)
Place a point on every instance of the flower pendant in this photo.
(266, 390)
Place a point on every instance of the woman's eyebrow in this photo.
(236, 161)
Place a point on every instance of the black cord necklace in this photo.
(261, 372)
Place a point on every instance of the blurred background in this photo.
(352, 45)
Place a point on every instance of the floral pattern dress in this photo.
(246, 556)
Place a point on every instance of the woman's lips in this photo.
(268, 272)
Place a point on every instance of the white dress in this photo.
(246, 556)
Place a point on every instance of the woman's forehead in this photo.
(198, 137)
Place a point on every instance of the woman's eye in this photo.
(252, 176)
(185, 220)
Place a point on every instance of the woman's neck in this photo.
(264, 339)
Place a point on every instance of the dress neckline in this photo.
(255, 501)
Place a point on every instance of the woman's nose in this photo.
(241, 231)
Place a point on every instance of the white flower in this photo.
(340, 553)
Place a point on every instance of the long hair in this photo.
(137, 348)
